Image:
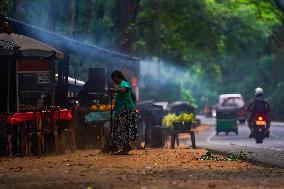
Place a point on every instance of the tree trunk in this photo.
(18, 6)
(3, 7)
(278, 32)
(100, 13)
(15, 4)
(126, 14)
(87, 15)
(53, 14)
(72, 16)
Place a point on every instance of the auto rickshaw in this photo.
(235, 100)
(226, 119)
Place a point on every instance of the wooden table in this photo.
(174, 137)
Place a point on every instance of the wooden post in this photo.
(174, 136)
(192, 137)
(66, 75)
(52, 81)
(17, 86)
(8, 86)
(63, 72)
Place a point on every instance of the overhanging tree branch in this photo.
(146, 21)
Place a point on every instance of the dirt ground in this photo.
(142, 169)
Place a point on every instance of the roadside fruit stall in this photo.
(93, 131)
(28, 74)
(181, 123)
(25, 96)
(32, 124)
(93, 124)
(92, 120)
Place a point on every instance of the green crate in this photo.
(226, 125)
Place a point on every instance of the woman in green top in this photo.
(124, 129)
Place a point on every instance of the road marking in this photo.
(210, 136)
(242, 145)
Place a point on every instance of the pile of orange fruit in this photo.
(101, 107)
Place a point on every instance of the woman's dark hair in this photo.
(119, 75)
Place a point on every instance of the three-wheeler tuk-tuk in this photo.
(226, 119)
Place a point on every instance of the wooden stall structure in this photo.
(30, 123)
(107, 59)
(110, 60)
(28, 73)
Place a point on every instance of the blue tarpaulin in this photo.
(97, 116)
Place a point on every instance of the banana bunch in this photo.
(183, 117)
(169, 119)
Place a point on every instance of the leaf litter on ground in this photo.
(209, 156)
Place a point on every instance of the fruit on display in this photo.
(109, 107)
(183, 117)
(101, 107)
(169, 119)
(94, 108)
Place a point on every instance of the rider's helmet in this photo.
(258, 91)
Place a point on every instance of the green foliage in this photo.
(225, 46)
(220, 43)
(168, 120)
(209, 156)
(184, 117)
(186, 95)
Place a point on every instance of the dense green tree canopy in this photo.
(219, 46)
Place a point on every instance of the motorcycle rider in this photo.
(258, 105)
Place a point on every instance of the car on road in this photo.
(234, 100)
(209, 111)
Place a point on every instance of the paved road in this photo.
(270, 152)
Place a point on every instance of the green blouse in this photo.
(123, 100)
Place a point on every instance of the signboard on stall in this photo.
(33, 65)
(34, 82)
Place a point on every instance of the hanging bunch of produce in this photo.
(171, 118)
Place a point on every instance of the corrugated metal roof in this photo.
(7, 48)
(68, 44)
(27, 46)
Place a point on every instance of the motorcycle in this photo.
(260, 130)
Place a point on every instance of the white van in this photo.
(231, 100)
(237, 101)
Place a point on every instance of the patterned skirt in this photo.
(124, 129)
